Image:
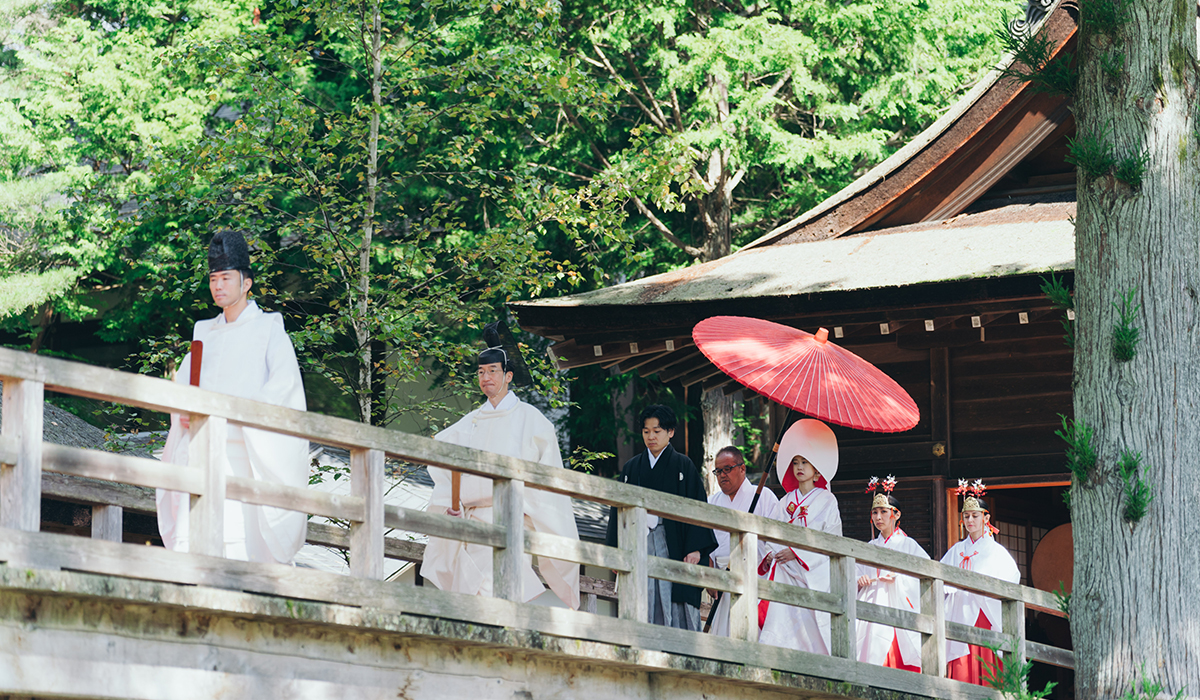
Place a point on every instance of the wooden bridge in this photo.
(98, 618)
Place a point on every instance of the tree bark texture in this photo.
(717, 409)
(362, 326)
(1133, 607)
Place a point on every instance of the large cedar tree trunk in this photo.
(717, 409)
(1133, 606)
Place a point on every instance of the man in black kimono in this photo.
(661, 468)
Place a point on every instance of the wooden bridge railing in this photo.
(24, 456)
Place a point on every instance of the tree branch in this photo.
(666, 232)
(650, 114)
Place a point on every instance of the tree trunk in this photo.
(1132, 605)
(717, 411)
(363, 324)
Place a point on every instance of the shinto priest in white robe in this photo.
(803, 629)
(984, 556)
(904, 592)
(515, 429)
(767, 503)
(250, 358)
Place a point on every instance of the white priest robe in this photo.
(984, 556)
(803, 629)
(515, 429)
(250, 358)
(904, 592)
(767, 502)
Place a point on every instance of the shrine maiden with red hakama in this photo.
(978, 552)
(880, 644)
(807, 462)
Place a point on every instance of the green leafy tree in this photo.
(380, 170)
(85, 93)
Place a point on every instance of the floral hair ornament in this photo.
(881, 499)
(973, 493)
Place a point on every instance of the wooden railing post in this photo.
(743, 607)
(107, 522)
(206, 451)
(508, 511)
(933, 646)
(366, 538)
(21, 478)
(843, 575)
(1012, 614)
(633, 587)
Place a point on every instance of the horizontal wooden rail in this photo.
(264, 493)
(802, 597)
(692, 574)
(895, 617)
(577, 551)
(445, 526)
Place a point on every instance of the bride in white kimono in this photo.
(806, 463)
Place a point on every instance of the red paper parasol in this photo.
(806, 372)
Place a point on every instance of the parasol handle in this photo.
(197, 356)
(455, 487)
(762, 480)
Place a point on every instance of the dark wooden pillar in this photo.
(940, 428)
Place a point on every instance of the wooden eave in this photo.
(656, 339)
(978, 142)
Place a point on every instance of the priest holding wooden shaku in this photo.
(505, 425)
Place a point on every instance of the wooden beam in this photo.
(895, 452)
(572, 353)
(21, 473)
(366, 535)
(843, 639)
(508, 562)
(206, 512)
(680, 369)
(933, 644)
(631, 363)
(702, 374)
(107, 523)
(668, 360)
(633, 585)
(940, 407)
(959, 298)
(445, 526)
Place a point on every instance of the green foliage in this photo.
(1126, 336)
(1033, 60)
(1143, 689)
(783, 105)
(1092, 153)
(1060, 296)
(1081, 458)
(1137, 491)
(584, 460)
(25, 290)
(1104, 16)
(1131, 169)
(1064, 600)
(1066, 497)
(1012, 680)
(1057, 292)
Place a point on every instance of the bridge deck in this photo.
(121, 620)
